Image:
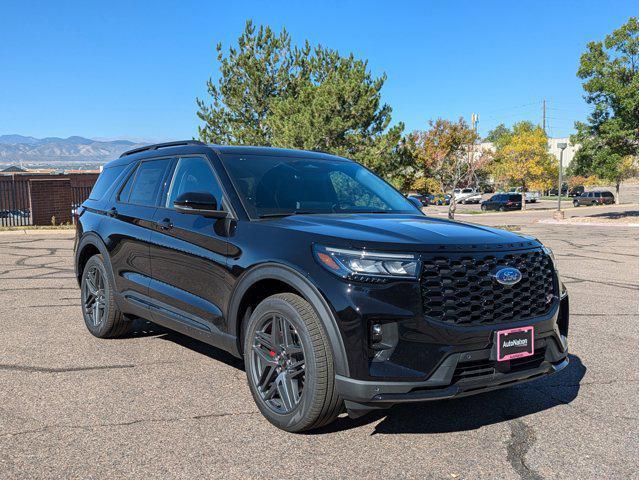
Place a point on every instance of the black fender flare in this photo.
(93, 239)
(310, 293)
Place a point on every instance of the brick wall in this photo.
(50, 197)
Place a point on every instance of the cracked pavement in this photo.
(160, 405)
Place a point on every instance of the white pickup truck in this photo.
(531, 197)
(466, 195)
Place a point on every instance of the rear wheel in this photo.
(575, 203)
(502, 209)
(484, 208)
(101, 314)
(289, 364)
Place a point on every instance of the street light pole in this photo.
(562, 146)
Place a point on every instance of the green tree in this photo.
(271, 93)
(336, 107)
(252, 73)
(610, 137)
(498, 134)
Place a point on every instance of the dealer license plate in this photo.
(515, 343)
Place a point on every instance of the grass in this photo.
(36, 227)
(554, 197)
(510, 228)
(470, 212)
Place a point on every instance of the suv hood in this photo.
(399, 232)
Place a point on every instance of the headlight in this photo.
(364, 265)
(550, 253)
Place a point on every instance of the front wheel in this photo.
(289, 364)
(484, 208)
(575, 203)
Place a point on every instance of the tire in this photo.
(502, 209)
(575, 203)
(105, 320)
(318, 402)
(484, 208)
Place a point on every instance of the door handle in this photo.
(165, 224)
(112, 212)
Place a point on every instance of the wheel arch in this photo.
(289, 280)
(91, 244)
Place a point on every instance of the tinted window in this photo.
(123, 196)
(193, 174)
(514, 198)
(147, 183)
(284, 185)
(105, 180)
(607, 194)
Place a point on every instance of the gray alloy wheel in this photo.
(93, 301)
(277, 358)
(289, 364)
(102, 316)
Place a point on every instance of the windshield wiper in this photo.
(286, 214)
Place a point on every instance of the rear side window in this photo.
(106, 179)
(148, 181)
(607, 194)
(514, 198)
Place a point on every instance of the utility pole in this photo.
(543, 108)
(559, 215)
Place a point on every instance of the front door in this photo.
(190, 281)
(128, 232)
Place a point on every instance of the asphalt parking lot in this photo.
(159, 405)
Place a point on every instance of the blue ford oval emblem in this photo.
(507, 276)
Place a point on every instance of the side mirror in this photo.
(416, 203)
(199, 203)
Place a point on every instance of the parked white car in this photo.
(531, 197)
(466, 195)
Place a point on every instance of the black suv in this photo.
(336, 290)
(502, 202)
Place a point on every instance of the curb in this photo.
(588, 224)
(44, 231)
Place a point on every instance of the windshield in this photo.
(272, 186)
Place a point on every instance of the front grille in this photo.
(461, 290)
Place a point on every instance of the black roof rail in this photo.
(156, 146)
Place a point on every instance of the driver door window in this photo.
(193, 174)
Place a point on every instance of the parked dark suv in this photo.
(502, 202)
(336, 290)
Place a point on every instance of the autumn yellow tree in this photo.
(522, 159)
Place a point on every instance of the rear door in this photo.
(129, 232)
(190, 282)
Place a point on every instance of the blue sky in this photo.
(133, 69)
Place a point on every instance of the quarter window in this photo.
(193, 174)
(123, 196)
(148, 181)
(105, 180)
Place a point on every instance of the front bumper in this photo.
(460, 374)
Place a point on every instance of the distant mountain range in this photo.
(54, 151)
